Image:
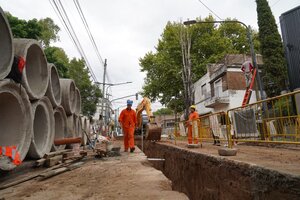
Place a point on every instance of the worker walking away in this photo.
(192, 136)
(247, 68)
(128, 123)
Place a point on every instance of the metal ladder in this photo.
(248, 92)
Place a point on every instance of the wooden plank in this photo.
(53, 161)
(66, 155)
(40, 162)
(55, 153)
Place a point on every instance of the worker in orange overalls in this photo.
(128, 122)
(192, 117)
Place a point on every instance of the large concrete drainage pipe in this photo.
(78, 126)
(78, 102)
(60, 119)
(6, 48)
(43, 128)
(84, 128)
(53, 91)
(68, 100)
(15, 120)
(35, 75)
(71, 126)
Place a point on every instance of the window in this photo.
(218, 87)
(203, 91)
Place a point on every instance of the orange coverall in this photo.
(193, 116)
(128, 121)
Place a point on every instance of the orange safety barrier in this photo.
(11, 152)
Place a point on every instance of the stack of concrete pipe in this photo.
(38, 110)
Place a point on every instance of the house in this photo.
(223, 86)
(167, 122)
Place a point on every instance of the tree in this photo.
(274, 69)
(209, 44)
(163, 111)
(59, 58)
(49, 31)
(90, 94)
(43, 30)
(24, 29)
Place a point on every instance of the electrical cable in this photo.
(210, 10)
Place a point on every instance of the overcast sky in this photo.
(124, 30)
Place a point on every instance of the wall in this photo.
(202, 176)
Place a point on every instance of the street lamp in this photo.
(260, 85)
(107, 99)
(114, 84)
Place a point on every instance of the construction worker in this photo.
(128, 123)
(247, 68)
(192, 117)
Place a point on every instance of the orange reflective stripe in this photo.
(16, 157)
(8, 151)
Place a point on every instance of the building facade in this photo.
(223, 86)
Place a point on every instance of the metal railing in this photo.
(273, 120)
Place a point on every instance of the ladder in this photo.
(248, 92)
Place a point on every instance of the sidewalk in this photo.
(129, 176)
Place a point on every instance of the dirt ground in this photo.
(129, 176)
(279, 159)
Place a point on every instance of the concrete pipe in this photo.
(71, 126)
(68, 100)
(6, 48)
(53, 91)
(15, 120)
(78, 126)
(78, 102)
(60, 121)
(43, 128)
(84, 128)
(35, 75)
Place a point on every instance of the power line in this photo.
(83, 55)
(78, 7)
(62, 15)
(210, 10)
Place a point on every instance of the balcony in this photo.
(216, 71)
(220, 98)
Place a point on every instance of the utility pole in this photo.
(185, 40)
(103, 91)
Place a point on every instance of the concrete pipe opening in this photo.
(78, 126)
(6, 48)
(71, 126)
(15, 120)
(68, 100)
(84, 128)
(78, 102)
(60, 121)
(43, 128)
(53, 90)
(35, 74)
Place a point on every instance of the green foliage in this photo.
(49, 31)
(24, 29)
(209, 43)
(43, 30)
(58, 57)
(90, 94)
(274, 70)
(163, 111)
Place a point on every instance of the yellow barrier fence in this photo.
(274, 120)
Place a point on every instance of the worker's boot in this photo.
(132, 150)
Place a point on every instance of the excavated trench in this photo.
(204, 176)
